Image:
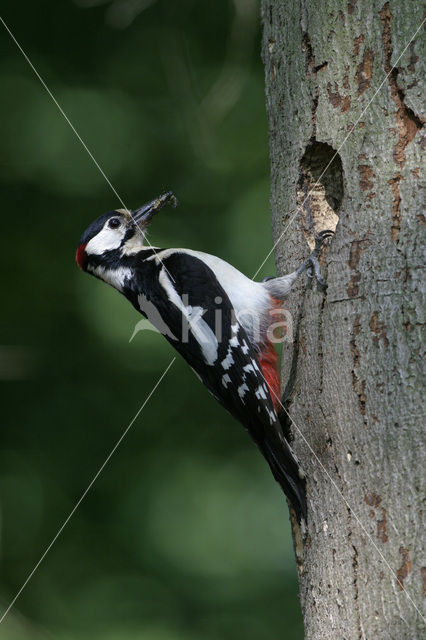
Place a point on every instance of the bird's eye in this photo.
(114, 223)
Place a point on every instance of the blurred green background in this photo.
(185, 534)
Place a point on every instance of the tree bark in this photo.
(357, 404)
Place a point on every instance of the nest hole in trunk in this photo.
(319, 190)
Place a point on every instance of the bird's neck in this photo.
(119, 269)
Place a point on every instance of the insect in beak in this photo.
(144, 214)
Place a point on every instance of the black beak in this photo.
(144, 214)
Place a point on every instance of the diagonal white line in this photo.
(64, 114)
(96, 163)
(85, 492)
(339, 148)
(369, 537)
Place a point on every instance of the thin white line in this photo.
(83, 495)
(348, 506)
(98, 166)
(63, 114)
(339, 148)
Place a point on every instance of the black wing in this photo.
(202, 326)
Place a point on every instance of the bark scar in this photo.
(355, 576)
(405, 568)
(364, 71)
(408, 123)
(379, 329)
(357, 248)
(336, 99)
(358, 383)
(311, 73)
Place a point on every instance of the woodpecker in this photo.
(213, 315)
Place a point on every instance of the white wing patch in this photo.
(251, 300)
(154, 316)
(198, 327)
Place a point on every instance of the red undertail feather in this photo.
(268, 360)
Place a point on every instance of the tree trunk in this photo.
(357, 400)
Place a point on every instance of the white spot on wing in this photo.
(226, 362)
(260, 393)
(272, 415)
(226, 380)
(242, 390)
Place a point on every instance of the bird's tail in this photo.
(287, 472)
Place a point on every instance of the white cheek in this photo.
(105, 240)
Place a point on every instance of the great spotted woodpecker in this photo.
(213, 315)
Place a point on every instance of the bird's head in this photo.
(117, 234)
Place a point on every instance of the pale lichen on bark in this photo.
(358, 393)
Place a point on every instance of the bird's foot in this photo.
(313, 270)
(311, 264)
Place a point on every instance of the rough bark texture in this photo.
(357, 398)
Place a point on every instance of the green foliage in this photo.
(184, 535)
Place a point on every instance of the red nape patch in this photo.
(80, 255)
(268, 360)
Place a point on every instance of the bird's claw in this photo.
(320, 239)
(312, 264)
(313, 269)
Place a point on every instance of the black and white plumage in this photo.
(213, 315)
